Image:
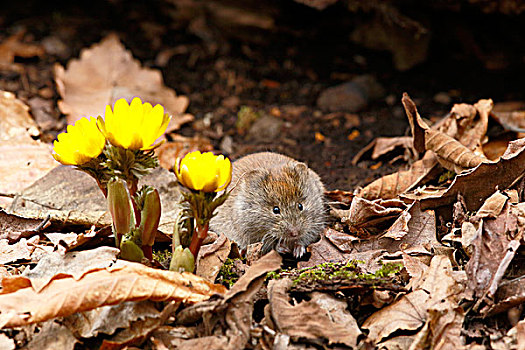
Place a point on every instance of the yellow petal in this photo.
(225, 173)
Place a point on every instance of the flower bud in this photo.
(182, 260)
(119, 205)
(129, 250)
(150, 216)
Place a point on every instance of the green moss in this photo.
(227, 276)
(336, 272)
(162, 255)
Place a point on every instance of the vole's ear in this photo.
(301, 168)
(250, 176)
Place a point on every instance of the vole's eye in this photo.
(300, 206)
(276, 210)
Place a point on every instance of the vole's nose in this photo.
(293, 231)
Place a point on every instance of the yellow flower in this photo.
(204, 172)
(79, 144)
(134, 126)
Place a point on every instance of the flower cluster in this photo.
(117, 150)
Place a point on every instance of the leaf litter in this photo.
(436, 246)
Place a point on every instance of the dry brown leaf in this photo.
(307, 319)
(365, 217)
(451, 153)
(53, 336)
(170, 151)
(139, 330)
(75, 264)
(493, 249)
(390, 186)
(107, 319)
(492, 206)
(106, 72)
(511, 115)
(14, 227)
(22, 159)
(234, 311)
(496, 145)
(409, 313)
(21, 250)
(418, 242)
(212, 257)
(479, 183)
(124, 281)
(510, 294)
(15, 121)
(71, 197)
(383, 145)
(339, 197)
(441, 284)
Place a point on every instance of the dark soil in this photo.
(280, 72)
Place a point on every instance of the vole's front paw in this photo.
(298, 251)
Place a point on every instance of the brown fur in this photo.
(262, 181)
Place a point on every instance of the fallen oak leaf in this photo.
(125, 281)
(106, 72)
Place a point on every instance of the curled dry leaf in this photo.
(417, 241)
(125, 281)
(16, 122)
(107, 319)
(139, 330)
(479, 183)
(308, 319)
(511, 115)
(365, 217)
(451, 154)
(383, 145)
(212, 257)
(106, 72)
(510, 294)
(390, 186)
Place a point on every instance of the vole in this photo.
(275, 200)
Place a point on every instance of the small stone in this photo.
(265, 129)
(352, 96)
